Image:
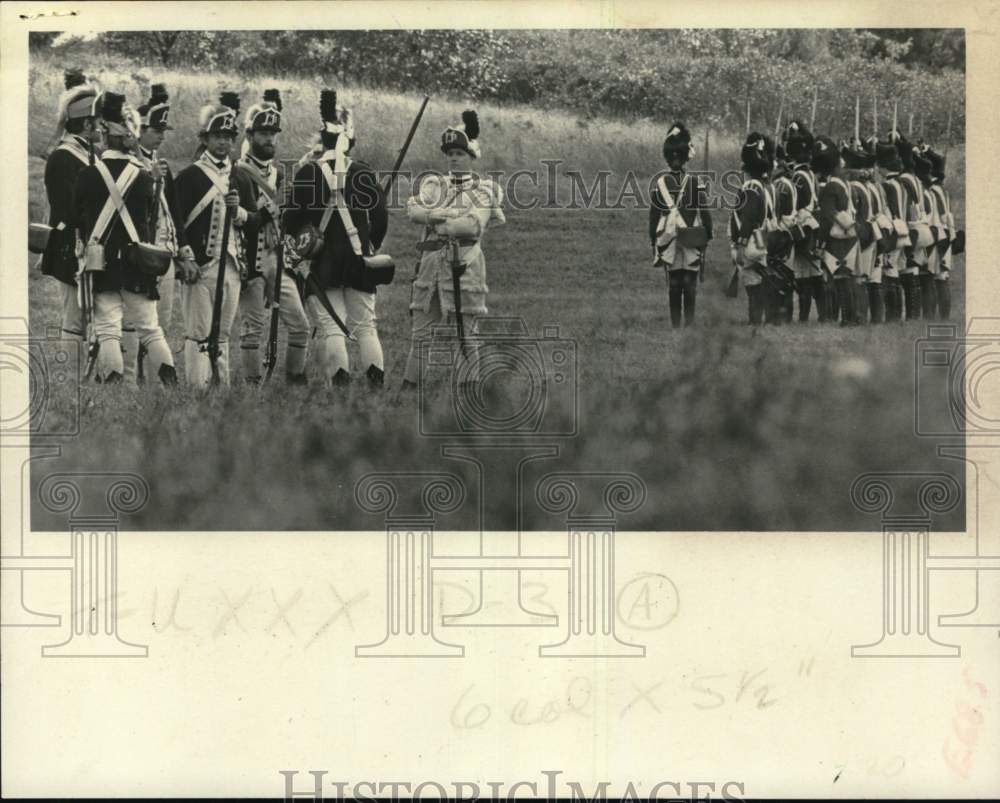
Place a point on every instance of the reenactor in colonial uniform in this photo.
(267, 179)
(169, 225)
(115, 200)
(781, 241)
(858, 164)
(454, 210)
(895, 195)
(208, 191)
(810, 279)
(78, 134)
(931, 268)
(837, 233)
(680, 225)
(751, 221)
(337, 216)
(950, 240)
(916, 252)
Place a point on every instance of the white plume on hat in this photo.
(76, 86)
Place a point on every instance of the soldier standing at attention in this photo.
(454, 206)
(913, 213)
(858, 163)
(207, 191)
(947, 238)
(809, 277)
(680, 225)
(169, 226)
(124, 290)
(894, 264)
(267, 181)
(931, 269)
(337, 203)
(79, 134)
(837, 233)
(781, 242)
(749, 225)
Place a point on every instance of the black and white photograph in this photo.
(712, 267)
(434, 399)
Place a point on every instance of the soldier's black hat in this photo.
(266, 115)
(463, 136)
(922, 163)
(155, 111)
(77, 99)
(677, 144)
(825, 155)
(905, 150)
(220, 118)
(886, 155)
(937, 163)
(856, 158)
(799, 141)
(337, 121)
(757, 154)
(118, 118)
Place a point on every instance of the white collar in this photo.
(264, 168)
(211, 161)
(265, 164)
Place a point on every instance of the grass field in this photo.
(730, 427)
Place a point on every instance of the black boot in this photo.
(675, 292)
(876, 302)
(168, 375)
(341, 378)
(928, 296)
(690, 294)
(114, 378)
(861, 302)
(296, 379)
(376, 376)
(845, 300)
(944, 299)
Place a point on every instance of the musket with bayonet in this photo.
(406, 146)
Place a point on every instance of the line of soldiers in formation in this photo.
(123, 229)
(862, 230)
